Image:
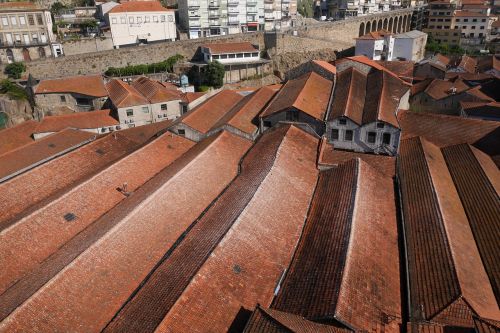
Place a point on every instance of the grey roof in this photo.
(411, 34)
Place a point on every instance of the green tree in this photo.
(14, 70)
(57, 8)
(12, 90)
(214, 74)
(305, 8)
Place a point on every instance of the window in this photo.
(474, 20)
(248, 55)
(13, 20)
(223, 56)
(181, 132)
(162, 18)
(458, 20)
(267, 123)
(483, 20)
(335, 134)
(22, 20)
(348, 135)
(145, 109)
(232, 56)
(5, 21)
(372, 136)
(292, 116)
(63, 99)
(34, 37)
(39, 19)
(473, 27)
(216, 56)
(481, 27)
(83, 102)
(155, 18)
(131, 20)
(123, 20)
(139, 19)
(163, 107)
(466, 20)
(31, 20)
(147, 19)
(480, 34)
(464, 27)
(386, 138)
(239, 55)
(170, 18)
(380, 125)
(342, 121)
(113, 20)
(130, 112)
(255, 54)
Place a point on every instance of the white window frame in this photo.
(22, 20)
(5, 21)
(123, 20)
(114, 20)
(162, 18)
(13, 20)
(146, 19)
(131, 20)
(155, 18)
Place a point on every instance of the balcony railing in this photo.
(213, 15)
(234, 22)
(252, 2)
(193, 4)
(23, 43)
(233, 2)
(214, 4)
(252, 10)
(214, 23)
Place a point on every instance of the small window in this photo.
(22, 20)
(181, 132)
(155, 18)
(239, 55)
(130, 112)
(145, 109)
(69, 217)
(39, 19)
(335, 134)
(223, 56)
(232, 56)
(348, 135)
(139, 19)
(267, 123)
(342, 121)
(63, 99)
(170, 18)
(164, 107)
(146, 19)
(215, 56)
(113, 20)
(162, 18)
(380, 125)
(13, 20)
(248, 55)
(386, 138)
(481, 27)
(130, 20)
(255, 54)
(372, 136)
(31, 20)
(123, 20)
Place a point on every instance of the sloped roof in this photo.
(309, 93)
(77, 120)
(192, 96)
(448, 282)
(124, 95)
(139, 6)
(326, 65)
(17, 5)
(467, 13)
(403, 69)
(481, 109)
(218, 48)
(372, 63)
(326, 277)
(365, 98)
(154, 91)
(242, 115)
(381, 34)
(439, 89)
(468, 64)
(214, 254)
(203, 117)
(89, 85)
(17, 136)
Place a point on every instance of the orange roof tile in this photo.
(204, 116)
(403, 69)
(326, 65)
(89, 85)
(439, 89)
(139, 6)
(217, 48)
(309, 93)
(192, 96)
(17, 136)
(16, 5)
(465, 13)
(468, 64)
(124, 95)
(77, 120)
(381, 34)
(154, 91)
(478, 94)
(374, 64)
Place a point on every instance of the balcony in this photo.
(214, 4)
(233, 3)
(214, 23)
(23, 43)
(252, 2)
(194, 23)
(193, 4)
(252, 10)
(213, 15)
(233, 22)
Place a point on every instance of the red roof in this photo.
(464, 13)
(154, 91)
(18, 5)
(89, 85)
(192, 96)
(218, 48)
(326, 65)
(139, 6)
(77, 120)
(381, 34)
(124, 95)
(439, 89)
(17, 136)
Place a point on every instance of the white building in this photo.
(230, 53)
(474, 26)
(409, 46)
(376, 45)
(138, 22)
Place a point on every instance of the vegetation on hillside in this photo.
(157, 67)
(445, 49)
(305, 8)
(12, 90)
(15, 69)
(211, 75)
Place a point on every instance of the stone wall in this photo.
(89, 45)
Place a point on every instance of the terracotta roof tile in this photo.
(192, 96)
(477, 94)
(243, 114)
(418, 87)
(474, 77)
(27, 156)
(381, 34)
(154, 91)
(444, 263)
(89, 85)
(439, 89)
(124, 95)
(146, 224)
(372, 63)
(481, 109)
(466, 13)
(326, 65)
(139, 6)
(468, 64)
(225, 232)
(309, 93)
(77, 120)
(486, 326)
(15, 5)
(216, 48)
(17, 136)
(337, 283)
(403, 69)
(203, 117)
(328, 156)
(363, 99)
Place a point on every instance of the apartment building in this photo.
(348, 8)
(137, 22)
(474, 26)
(440, 23)
(279, 14)
(26, 33)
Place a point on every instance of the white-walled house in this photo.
(136, 22)
(409, 46)
(376, 45)
(230, 53)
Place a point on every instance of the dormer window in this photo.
(342, 121)
(380, 125)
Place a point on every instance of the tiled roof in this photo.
(203, 117)
(139, 6)
(192, 96)
(212, 261)
(243, 114)
(469, 76)
(420, 86)
(439, 89)
(27, 156)
(16, 5)
(381, 34)
(143, 226)
(486, 326)
(465, 13)
(448, 282)
(403, 69)
(329, 278)
(265, 320)
(476, 93)
(365, 98)
(468, 64)
(77, 120)
(124, 95)
(17, 136)
(326, 65)
(154, 91)
(217, 48)
(89, 85)
(372, 63)
(309, 94)
(481, 109)
(328, 156)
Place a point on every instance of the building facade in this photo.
(377, 45)
(137, 22)
(26, 33)
(410, 46)
(440, 23)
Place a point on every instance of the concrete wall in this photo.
(86, 46)
(270, 121)
(173, 111)
(49, 103)
(187, 132)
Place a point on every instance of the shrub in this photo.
(163, 66)
(15, 69)
(214, 74)
(12, 90)
(202, 88)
